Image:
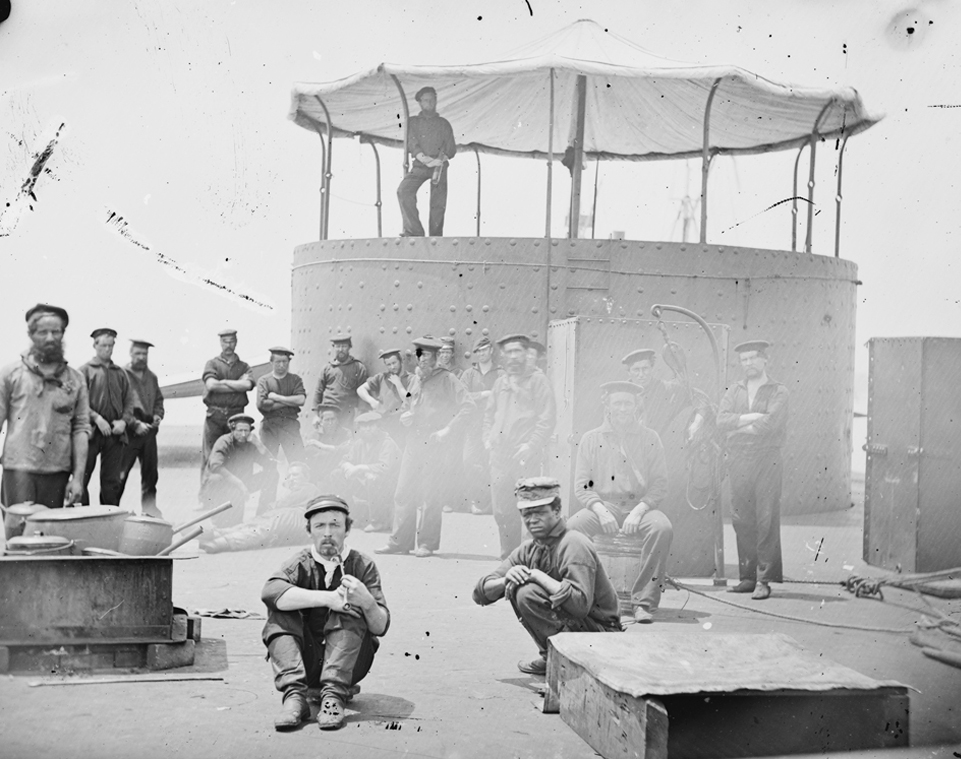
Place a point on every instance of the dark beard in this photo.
(48, 354)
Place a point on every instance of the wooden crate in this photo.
(706, 694)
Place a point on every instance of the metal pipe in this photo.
(477, 155)
(323, 184)
(379, 204)
(719, 572)
(597, 169)
(813, 144)
(797, 161)
(705, 157)
(837, 198)
(574, 221)
(406, 108)
(550, 158)
(327, 170)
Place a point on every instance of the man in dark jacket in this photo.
(430, 141)
(555, 582)
(148, 413)
(339, 381)
(440, 407)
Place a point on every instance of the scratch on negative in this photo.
(39, 162)
(773, 205)
(944, 106)
(120, 225)
(112, 609)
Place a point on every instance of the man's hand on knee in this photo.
(633, 522)
(605, 517)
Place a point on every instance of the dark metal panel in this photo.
(891, 474)
(84, 598)
(939, 502)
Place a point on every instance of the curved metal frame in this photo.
(797, 161)
(705, 157)
(837, 199)
(325, 189)
(323, 171)
(378, 204)
(403, 100)
(477, 156)
(813, 144)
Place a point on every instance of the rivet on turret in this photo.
(410, 306)
(453, 309)
(485, 309)
(485, 331)
(420, 284)
(396, 306)
(396, 283)
(395, 330)
(409, 330)
(469, 308)
(452, 331)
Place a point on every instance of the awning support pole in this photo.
(477, 156)
(706, 157)
(403, 102)
(797, 161)
(378, 204)
(597, 169)
(327, 168)
(323, 171)
(837, 199)
(813, 144)
(575, 212)
(550, 158)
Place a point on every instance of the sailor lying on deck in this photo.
(555, 582)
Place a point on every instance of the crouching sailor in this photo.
(555, 582)
(325, 614)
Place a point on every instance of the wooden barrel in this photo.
(621, 557)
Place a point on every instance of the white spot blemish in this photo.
(707, 626)
(146, 198)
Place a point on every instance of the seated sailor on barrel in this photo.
(555, 582)
(325, 614)
(620, 478)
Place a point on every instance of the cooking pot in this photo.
(148, 536)
(15, 517)
(87, 526)
(39, 545)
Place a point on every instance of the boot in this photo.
(295, 711)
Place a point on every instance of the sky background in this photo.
(174, 166)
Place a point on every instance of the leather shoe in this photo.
(331, 714)
(762, 591)
(390, 549)
(295, 711)
(744, 586)
(423, 552)
(642, 616)
(536, 666)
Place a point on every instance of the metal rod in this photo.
(323, 183)
(706, 157)
(403, 102)
(837, 199)
(580, 113)
(327, 169)
(597, 168)
(477, 155)
(656, 311)
(797, 161)
(813, 143)
(379, 203)
(550, 158)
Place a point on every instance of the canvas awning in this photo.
(638, 106)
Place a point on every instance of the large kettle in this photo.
(15, 517)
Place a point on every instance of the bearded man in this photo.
(46, 409)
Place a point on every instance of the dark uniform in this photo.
(755, 468)
(112, 397)
(430, 135)
(280, 427)
(149, 409)
(439, 401)
(338, 385)
(239, 459)
(222, 404)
